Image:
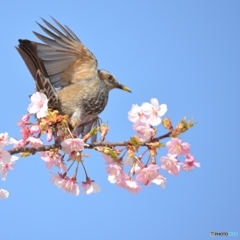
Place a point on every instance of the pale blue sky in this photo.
(186, 54)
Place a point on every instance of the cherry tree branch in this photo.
(33, 150)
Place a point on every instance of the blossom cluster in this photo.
(146, 116)
(6, 160)
(145, 175)
(69, 148)
(148, 173)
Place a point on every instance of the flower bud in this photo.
(167, 124)
(34, 129)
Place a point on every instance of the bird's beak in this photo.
(124, 88)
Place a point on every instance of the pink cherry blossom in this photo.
(135, 168)
(114, 171)
(34, 142)
(67, 184)
(38, 105)
(4, 193)
(20, 143)
(49, 158)
(5, 156)
(153, 112)
(71, 186)
(109, 160)
(5, 139)
(144, 129)
(147, 174)
(90, 186)
(176, 146)
(171, 164)
(60, 164)
(190, 163)
(53, 159)
(121, 180)
(135, 114)
(73, 145)
(132, 186)
(58, 179)
(159, 180)
(7, 165)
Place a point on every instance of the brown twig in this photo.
(33, 150)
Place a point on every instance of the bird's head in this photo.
(111, 81)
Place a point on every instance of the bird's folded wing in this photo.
(66, 59)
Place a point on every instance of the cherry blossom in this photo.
(189, 163)
(171, 164)
(34, 142)
(73, 145)
(147, 174)
(140, 172)
(5, 139)
(114, 171)
(4, 193)
(159, 180)
(4, 155)
(49, 158)
(135, 114)
(6, 165)
(20, 143)
(135, 167)
(124, 181)
(153, 112)
(67, 184)
(133, 186)
(109, 160)
(176, 146)
(53, 159)
(38, 105)
(90, 186)
(6, 160)
(71, 186)
(58, 179)
(144, 129)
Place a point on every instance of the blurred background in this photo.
(184, 53)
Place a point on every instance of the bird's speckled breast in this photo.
(94, 101)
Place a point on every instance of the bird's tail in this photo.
(28, 51)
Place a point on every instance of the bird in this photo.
(67, 73)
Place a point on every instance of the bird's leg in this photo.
(89, 122)
(74, 122)
(75, 119)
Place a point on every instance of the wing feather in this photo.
(66, 59)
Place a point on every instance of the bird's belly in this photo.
(80, 103)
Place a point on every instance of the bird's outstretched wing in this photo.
(64, 57)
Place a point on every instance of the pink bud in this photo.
(24, 120)
(49, 135)
(25, 117)
(34, 129)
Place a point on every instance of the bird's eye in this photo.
(109, 77)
